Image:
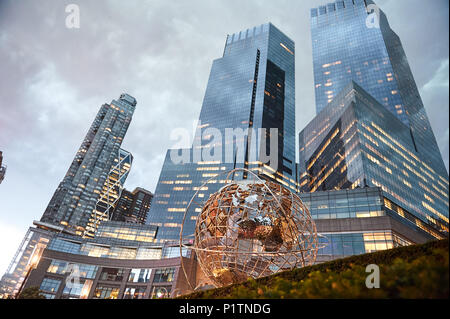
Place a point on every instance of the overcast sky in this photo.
(54, 79)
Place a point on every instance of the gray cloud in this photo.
(54, 79)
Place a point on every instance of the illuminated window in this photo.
(176, 209)
(106, 292)
(286, 48)
(428, 198)
(50, 285)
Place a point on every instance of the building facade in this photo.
(348, 47)
(77, 196)
(250, 88)
(121, 262)
(356, 142)
(17, 272)
(124, 261)
(361, 220)
(133, 207)
(371, 128)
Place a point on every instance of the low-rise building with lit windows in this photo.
(362, 220)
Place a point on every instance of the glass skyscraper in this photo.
(371, 129)
(355, 142)
(347, 46)
(252, 86)
(76, 198)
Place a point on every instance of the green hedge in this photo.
(417, 271)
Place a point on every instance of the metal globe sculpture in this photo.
(251, 229)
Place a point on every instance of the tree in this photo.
(31, 293)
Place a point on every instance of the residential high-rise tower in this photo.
(76, 197)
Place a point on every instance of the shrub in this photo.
(417, 271)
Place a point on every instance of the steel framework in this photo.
(112, 189)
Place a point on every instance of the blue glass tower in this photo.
(355, 142)
(371, 128)
(348, 47)
(252, 86)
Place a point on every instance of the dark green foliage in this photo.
(417, 271)
(31, 293)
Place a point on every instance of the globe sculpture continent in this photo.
(253, 229)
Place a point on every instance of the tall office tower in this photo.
(133, 207)
(347, 45)
(77, 195)
(2, 168)
(111, 192)
(371, 129)
(355, 142)
(251, 87)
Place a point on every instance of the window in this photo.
(172, 252)
(64, 246)
(87, 271)
(95, 251)
(61, 267)
(112, 274)
(50, 285)
(149, 253)
(73, 289)
(140, 275)
(161, 292)
(103, 292)
(164, 275)
(134, 293)
(57, 266)
(122, 253)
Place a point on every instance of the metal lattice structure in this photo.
(112, 189)
(250, 229)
